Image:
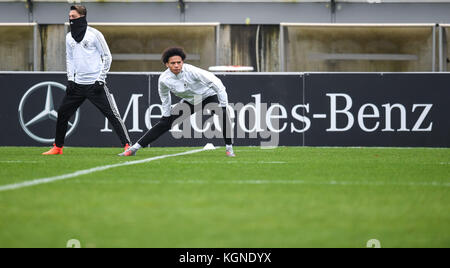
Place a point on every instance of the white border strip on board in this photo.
(233, 73)
(287, 24)
(18, 24)
(139, 24)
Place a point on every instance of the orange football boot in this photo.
(54, 151)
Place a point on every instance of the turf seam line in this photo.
(89, 171)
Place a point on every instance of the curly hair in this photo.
(173, 51)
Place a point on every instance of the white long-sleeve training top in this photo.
(191, 81)
(89, 60)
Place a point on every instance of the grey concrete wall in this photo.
(258, 13)
(247, 45)
(238, 36)
(250, 45)
(150, 41)
(55, 13)
(355, 49)
(393, 13)
(232, 12)
(446, 48)
(16, 48)
(52, 48)
(13, 12)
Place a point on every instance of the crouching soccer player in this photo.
(187, 82)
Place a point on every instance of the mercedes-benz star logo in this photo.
(49, 111)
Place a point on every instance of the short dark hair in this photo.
(80, 9)
(173, 51)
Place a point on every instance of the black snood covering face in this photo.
(78, 28)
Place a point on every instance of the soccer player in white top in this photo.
(88, 62)
(189, 83)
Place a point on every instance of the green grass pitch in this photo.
(283, 197)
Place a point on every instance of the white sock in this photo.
(137, 146)
(229, 147)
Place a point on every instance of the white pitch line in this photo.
(88, 171)
(20, 162)
(270, 182)
(229, 162)
(343, 183)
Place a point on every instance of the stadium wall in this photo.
(286, 109)
(292, 47)
(249, 32)
(231, 12)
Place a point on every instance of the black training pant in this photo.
(99, 95)
(165, 124)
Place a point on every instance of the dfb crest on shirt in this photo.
(85, 44)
